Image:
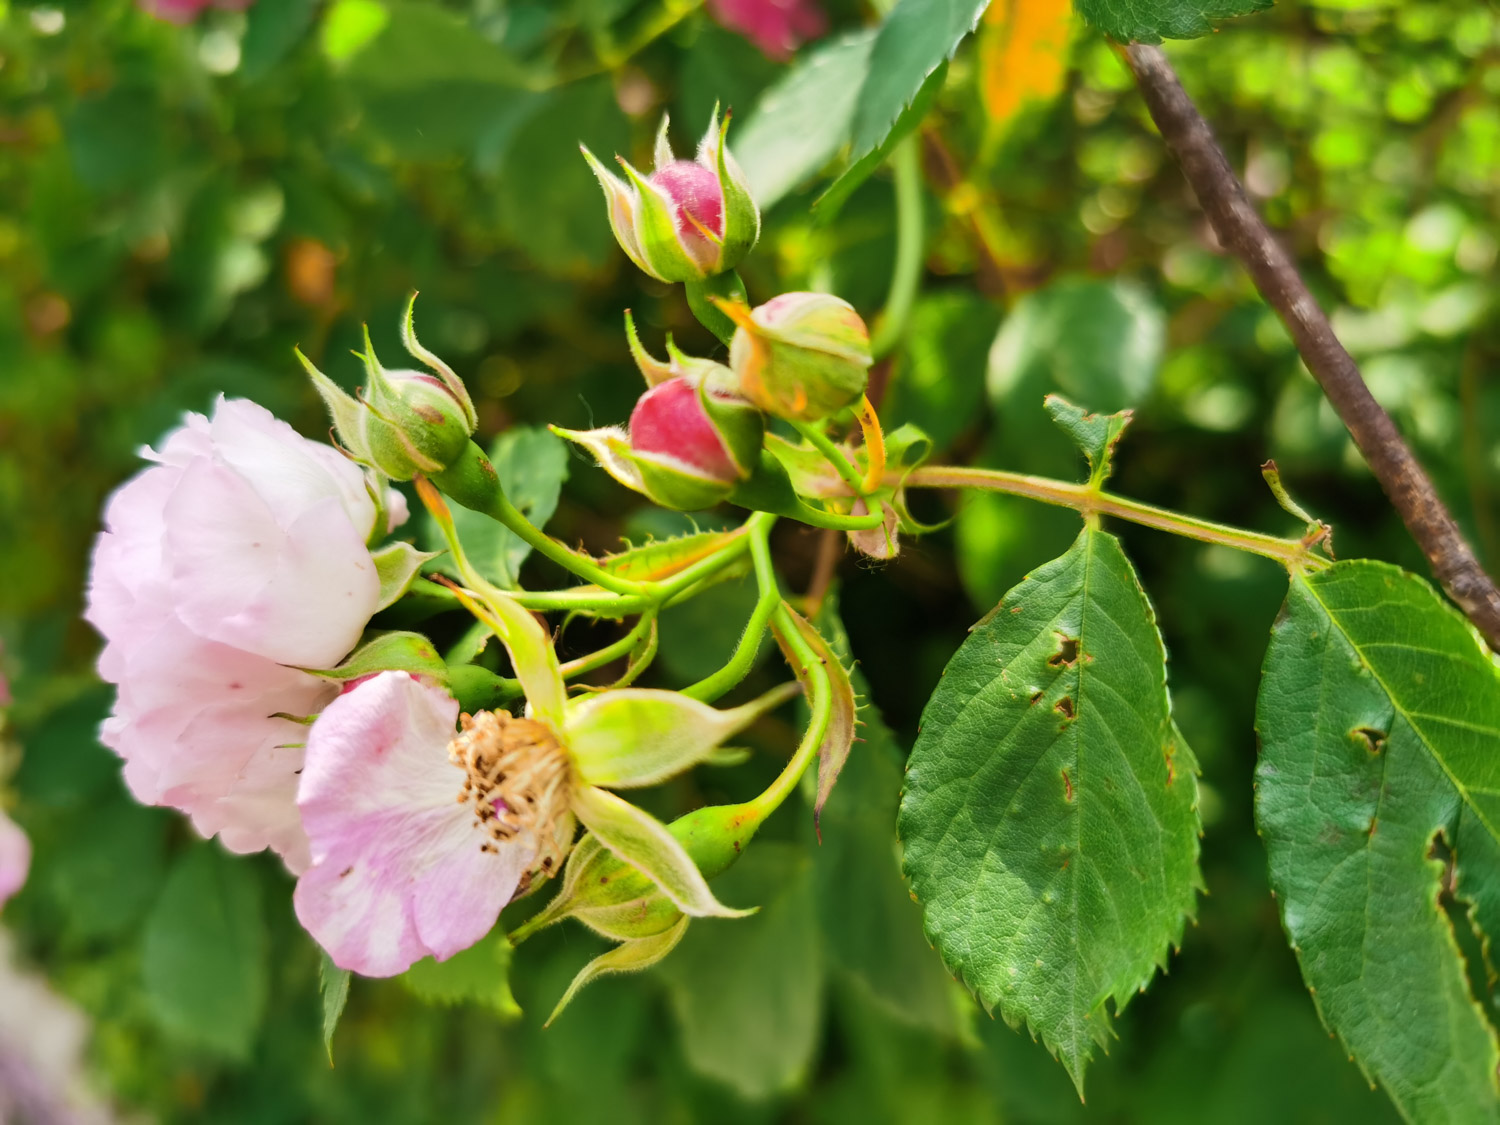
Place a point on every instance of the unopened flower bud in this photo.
(688, 220)
(691, 444)
(403, 422)
(800, 356)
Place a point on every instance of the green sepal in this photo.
(838, 739)
(345, 410)
(1095, 434)
(644, 843)
(739, 423)
(630, 957)
(662, 253)
(397, 565)
(674, 486)
(389, 652)
(641, 736)
(741, 215)
(620, 201)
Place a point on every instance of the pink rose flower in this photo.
(238, 555)
(186, 11)
(398, 871)
(15, 858)
(777, 27)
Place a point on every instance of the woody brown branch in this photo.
(1243, 232)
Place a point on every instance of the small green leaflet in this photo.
(532, 465)
(205, 954)
(1379, 718)
(334, 982)
(1151, 21)
(1050, 815)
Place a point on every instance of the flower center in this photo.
(516, 776)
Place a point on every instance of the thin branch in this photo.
(1243, 232)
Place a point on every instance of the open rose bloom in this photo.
(237, 559)
(421, 831)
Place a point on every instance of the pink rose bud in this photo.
(404, 422)
(692, 444)
(688, 220)
(800, 356)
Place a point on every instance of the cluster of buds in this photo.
(689, 219)
(401, 422)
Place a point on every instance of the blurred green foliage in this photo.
(179, 206)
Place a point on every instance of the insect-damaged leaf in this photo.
(1379, 717)
(1050, 816)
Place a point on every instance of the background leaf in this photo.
(1379, 715)
(1050, 815)
(477, 975)
(205, 952)
(1151, 21)
(748, 992)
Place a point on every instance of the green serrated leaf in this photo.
(917, 38)
(800, 123)
(1095, 434)
(205, 954)
(1050, 815)
(1379, 717)
(334, 983)
(1151, 21)
(478, 975)
(532, 464)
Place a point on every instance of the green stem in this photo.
(612, 652)
(472, 481)
(1295, 554)
(911, 240)
(726, 286)
(820, 704)
(832, 454)
(739, 664)
(817, 517)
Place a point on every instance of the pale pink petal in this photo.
(398, 872)
(15, 858)
(396, 510)
(296, 590)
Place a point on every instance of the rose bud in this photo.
(403, 422)
(688, 220)
(691, 444)
(800, 356)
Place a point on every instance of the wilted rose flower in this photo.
(421, 833)
(15, 858)
(237, 558)
(688, 220)
(777, 27)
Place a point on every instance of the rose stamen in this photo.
(517, 777)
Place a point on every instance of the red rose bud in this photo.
(403, 422)
(800, 356)
(692, 444)
(689, 219)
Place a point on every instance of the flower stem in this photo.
(611, 652)
(472, 481)
(1295, 554)
(725, 286)
(835, 456)
(906, 276)
(739, 664)
(820, 704)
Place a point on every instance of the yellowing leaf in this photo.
(1023, 55)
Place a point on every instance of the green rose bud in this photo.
(800, 356)
(403, 422)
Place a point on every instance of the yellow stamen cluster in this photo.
(516, 776)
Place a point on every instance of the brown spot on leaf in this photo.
(1067, 787)
(1036, 697)
(1064, 707)
(1067, 652)
(1373, 739)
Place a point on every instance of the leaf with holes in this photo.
(1378, 795)
(1050, 814)
(1151, 21)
